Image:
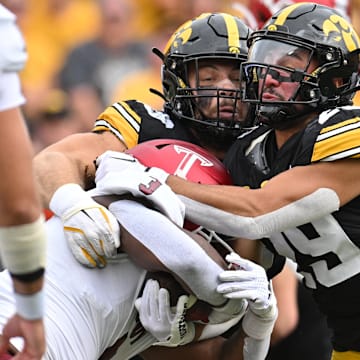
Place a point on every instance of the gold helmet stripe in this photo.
(180, 30)
(233, 33)
(285, 13)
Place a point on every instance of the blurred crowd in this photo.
(84, 54)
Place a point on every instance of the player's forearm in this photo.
(241, 347)
(53, 169)
(71, 160)
(217, 348)
(222, 197)
(240, 212)
(150, 239)
(337, 177)
(22, 287)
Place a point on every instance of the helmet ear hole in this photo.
(326, 85)
(329, 80)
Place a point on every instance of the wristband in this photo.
(259, 327)
(232, 307)
(30, 306)
(213, 330)
(158, 174)
(23, 247)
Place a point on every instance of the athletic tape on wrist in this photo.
(232, 307)
(259, 327)
(213, 330)
(23, 247)
(255, 349)
(158, 173)
(30, 306)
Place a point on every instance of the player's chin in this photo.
(228, 117)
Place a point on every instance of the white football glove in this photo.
(121, 173)
(115, 161)
(250, 282)
(232, 308)
(167, 325)
(12, 46)
(92, 232)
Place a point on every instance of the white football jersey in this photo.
(12, 59)
(87, 310)
(12, 46)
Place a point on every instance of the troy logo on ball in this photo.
(188, 161)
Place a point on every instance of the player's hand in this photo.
(115, 161)
(121, 173)
(12, 46)
(33, 333)
(231, 309)
(167, 325)
(250, 282)
(92, 232)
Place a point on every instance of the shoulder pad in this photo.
(336, 135)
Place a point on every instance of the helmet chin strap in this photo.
(214, 138)
(283, 116)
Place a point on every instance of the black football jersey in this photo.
(327, 251)
(134, 122)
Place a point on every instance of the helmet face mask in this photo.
(201, 72)
(312, 54)
(271, 63)
(213, 96)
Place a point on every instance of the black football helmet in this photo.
(211, 37)
(313, 32)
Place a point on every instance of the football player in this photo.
(22, 232)
(91, 314)
(201, 74)
(201, 71)
(298, 169)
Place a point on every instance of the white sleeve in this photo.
(256, 349)
(12, 46)
(316, 205)
(10, 91)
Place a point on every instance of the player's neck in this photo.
(283, 135)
